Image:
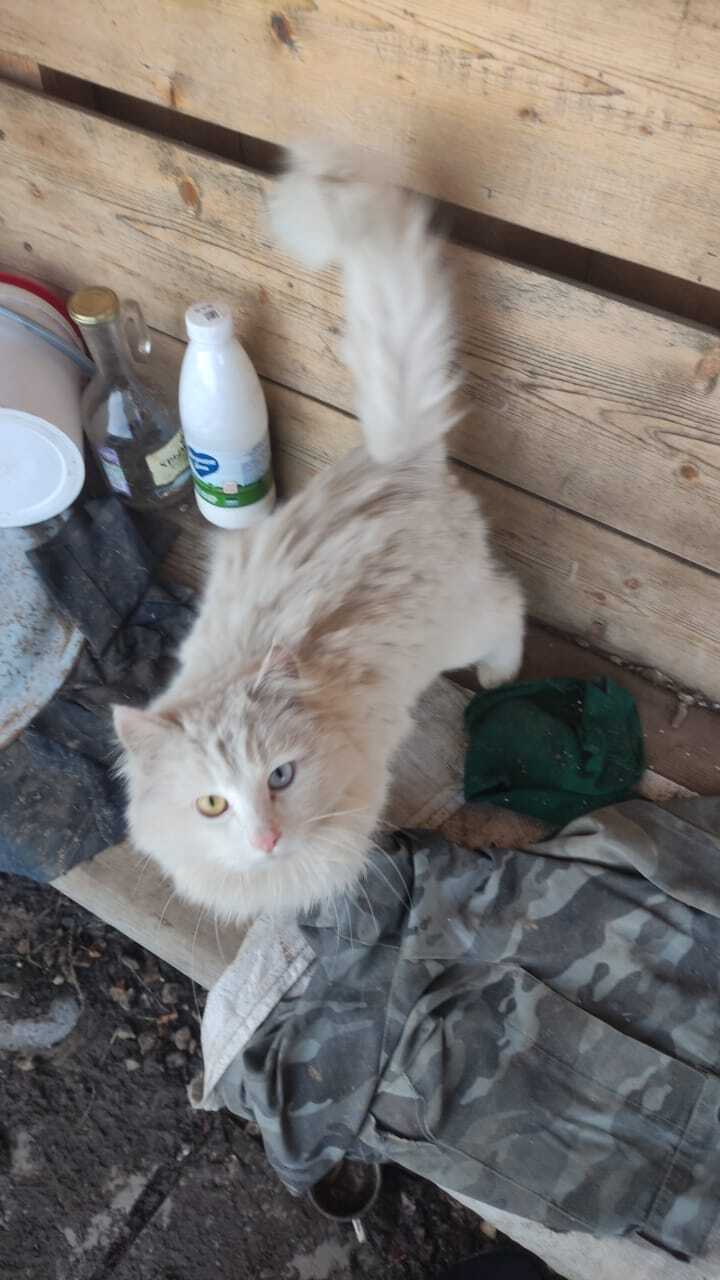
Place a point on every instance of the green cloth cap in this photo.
(554, 749)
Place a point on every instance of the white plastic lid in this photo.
(210, 323)
(41, 469)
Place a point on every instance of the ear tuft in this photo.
(279, 664)
(135, 727)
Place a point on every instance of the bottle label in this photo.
(232, 479)
(112, 467)
(168, 462)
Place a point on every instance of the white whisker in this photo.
(192, 963)
(221, 953)
(405, 901)
(333, 900)
(371, 909)
(349, 918)
(141, 872)
(339, 813)
(167, 904)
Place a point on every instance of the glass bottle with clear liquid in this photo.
(133, 431)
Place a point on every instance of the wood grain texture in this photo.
(601, 407)
(682, 741)
(19, 70)
(595, 123)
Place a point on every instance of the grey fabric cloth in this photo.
(60, 802)
(538, 1030)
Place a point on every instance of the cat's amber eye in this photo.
(211, 806)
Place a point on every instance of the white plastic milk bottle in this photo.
(225, 422)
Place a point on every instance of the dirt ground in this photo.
(105, 1171)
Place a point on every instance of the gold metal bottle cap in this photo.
(94, 306)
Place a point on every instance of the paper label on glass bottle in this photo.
(230, 478)
(112, 467)
(168, 462)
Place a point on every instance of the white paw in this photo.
(491, 675)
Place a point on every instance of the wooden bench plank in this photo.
(596, 124)
(592, 403)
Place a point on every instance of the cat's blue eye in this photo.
(281, 777)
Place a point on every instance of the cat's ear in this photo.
(136, 728)
(279, 663)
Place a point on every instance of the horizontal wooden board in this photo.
(601, 407)
(629, 599)
(595, 123)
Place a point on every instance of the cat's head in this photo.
(253, 795)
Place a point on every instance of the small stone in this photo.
(123, 1033)
(407, 1203)
(132, 1064)
(119, 994)
(146, 1042)
(170, 993)
(182, 1039)
(681, 714)
(25, 1062)
(175, 1061)
(58, 980)
(131, 963)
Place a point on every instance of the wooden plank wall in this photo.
(596, 123)
(593, 431)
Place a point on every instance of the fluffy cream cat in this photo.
(256, 780)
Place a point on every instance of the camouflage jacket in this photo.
(538, 1030)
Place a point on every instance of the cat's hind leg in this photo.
(491, 632)
(502, 635)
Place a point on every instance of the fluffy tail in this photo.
(400, 338)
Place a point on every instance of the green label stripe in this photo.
(246, 494)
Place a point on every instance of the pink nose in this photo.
(265, 841)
